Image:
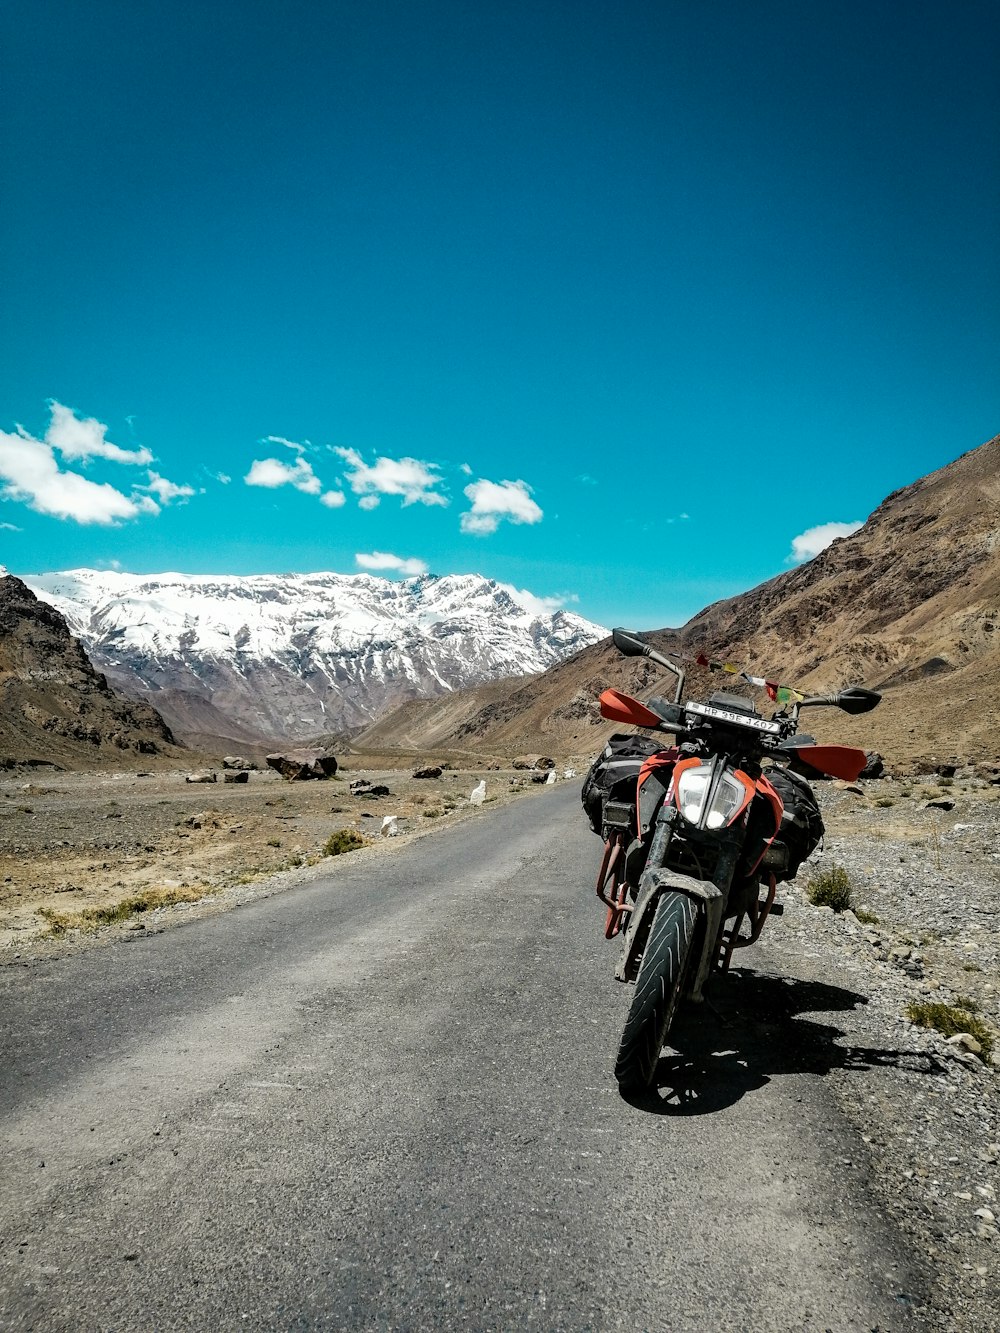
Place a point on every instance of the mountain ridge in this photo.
(291, 656)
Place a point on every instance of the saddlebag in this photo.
(801, 824)
(613, 774)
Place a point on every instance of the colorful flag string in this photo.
(782, 694)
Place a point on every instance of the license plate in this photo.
(734, 719)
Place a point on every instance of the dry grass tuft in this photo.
(92, 918)
(950, 1019)
(830, 888)
(344, 840)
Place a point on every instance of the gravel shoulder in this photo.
(928, 1110)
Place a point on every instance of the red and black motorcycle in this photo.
(697, 835)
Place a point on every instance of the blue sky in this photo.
(610, 301)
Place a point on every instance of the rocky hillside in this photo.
(909, 605)
(55, 709)
(295, 655)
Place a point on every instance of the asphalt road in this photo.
(385, 1100)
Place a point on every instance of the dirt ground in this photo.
(75, 846)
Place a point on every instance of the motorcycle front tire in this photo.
(657, 990)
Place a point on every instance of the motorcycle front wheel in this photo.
(657, 990)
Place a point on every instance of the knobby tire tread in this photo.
(657, 989)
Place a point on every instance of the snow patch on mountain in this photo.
(295, 654)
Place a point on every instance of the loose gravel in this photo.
(927, 1107)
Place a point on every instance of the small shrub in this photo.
(432, 814)
(966, 1002)
(946, 782)
(883, 802)
(274, 842)
(865, 917)
(344, 840)
(830, 888)
(971, 967)
(949, 1020)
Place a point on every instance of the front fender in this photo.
(653, 885)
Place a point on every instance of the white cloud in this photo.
(10, 527)
(289, 444)
(165, 490)
(272, 473)
(333, 499)
(409, 478)
(496, 500)
(30, 473)
(808, 544)
(83, 438)
(383, 560)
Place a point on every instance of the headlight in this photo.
(692, 790)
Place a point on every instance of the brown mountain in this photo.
(909, 604)
(55, 709)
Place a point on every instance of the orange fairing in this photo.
(838, 761)
(777, 804)
(618, 707)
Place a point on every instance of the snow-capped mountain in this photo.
(295, 655)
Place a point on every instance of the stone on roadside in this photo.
(241, 775)
(203, 775)
(478, 794)
(431, 771)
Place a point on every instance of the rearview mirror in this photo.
(854, 699)
(629, 645)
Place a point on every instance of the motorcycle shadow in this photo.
(751, 1029)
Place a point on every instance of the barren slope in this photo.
(909, 605)
(55, 709)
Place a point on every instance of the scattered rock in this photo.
(390, 826)
(203, 775)
(236, 761)
(362, 787)
(536, 761)
(874, 766)
(242, 775)
(967, 1040)
(478, 794)
(303, 765)
(940, 803)
(431, 771)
